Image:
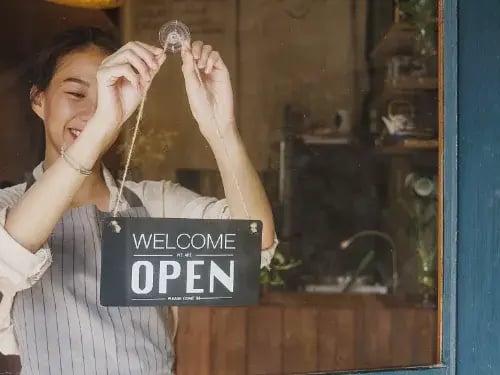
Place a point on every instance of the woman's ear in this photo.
(37, 101)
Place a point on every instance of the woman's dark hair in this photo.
(45, 62)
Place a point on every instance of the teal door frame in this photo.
(478, 269)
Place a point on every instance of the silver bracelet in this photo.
(73, 164)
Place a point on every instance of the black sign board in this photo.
(154, 261)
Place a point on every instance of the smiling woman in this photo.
(84, 88)
(64, 84)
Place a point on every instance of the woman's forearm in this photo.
(242, 185)
(33, 218)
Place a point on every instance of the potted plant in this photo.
(271, 276)
(421, 14)
(419, 200)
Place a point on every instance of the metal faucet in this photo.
(395, 277)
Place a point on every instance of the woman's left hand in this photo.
(211, 100)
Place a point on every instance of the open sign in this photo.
(152, 261)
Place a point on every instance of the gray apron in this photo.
(60, 326)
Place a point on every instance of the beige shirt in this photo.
(20, 268)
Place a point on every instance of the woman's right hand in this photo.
(122, 80)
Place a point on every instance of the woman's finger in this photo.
(129, 56)
(196, 48)
(153, 49)
(212, 60)
(145, 54)
(205, 53)
(157, 55)
(161, 59)
(109, 75)
(138, 49)
(188, 67)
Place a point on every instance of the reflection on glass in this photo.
(338, 107)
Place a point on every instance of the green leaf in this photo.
(288, 266)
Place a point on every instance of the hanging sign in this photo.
(154, 261)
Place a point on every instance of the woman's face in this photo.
(70, 99)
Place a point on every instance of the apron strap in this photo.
(132, 199)
(29, 179)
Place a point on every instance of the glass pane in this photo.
(337, 106)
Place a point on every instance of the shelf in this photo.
(322, 140)
(411, 83)
(407, 86)
(399, 39)
(409, 146)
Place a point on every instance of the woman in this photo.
(84, 89)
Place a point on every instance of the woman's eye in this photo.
(76, 95)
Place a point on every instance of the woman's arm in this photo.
(242, 185)
(211, 102)
(33, 218)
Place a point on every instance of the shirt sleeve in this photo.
(167, 199)
(267, 255)
(19, 267)
(171, 200)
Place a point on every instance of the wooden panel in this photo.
(229, 341)
(264, 343)
(193, 341)
(373, 338)
(336, 339)
(300, 341)
(402, 344)
(279, 339)
(425, 337)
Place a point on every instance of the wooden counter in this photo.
(305, 332)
